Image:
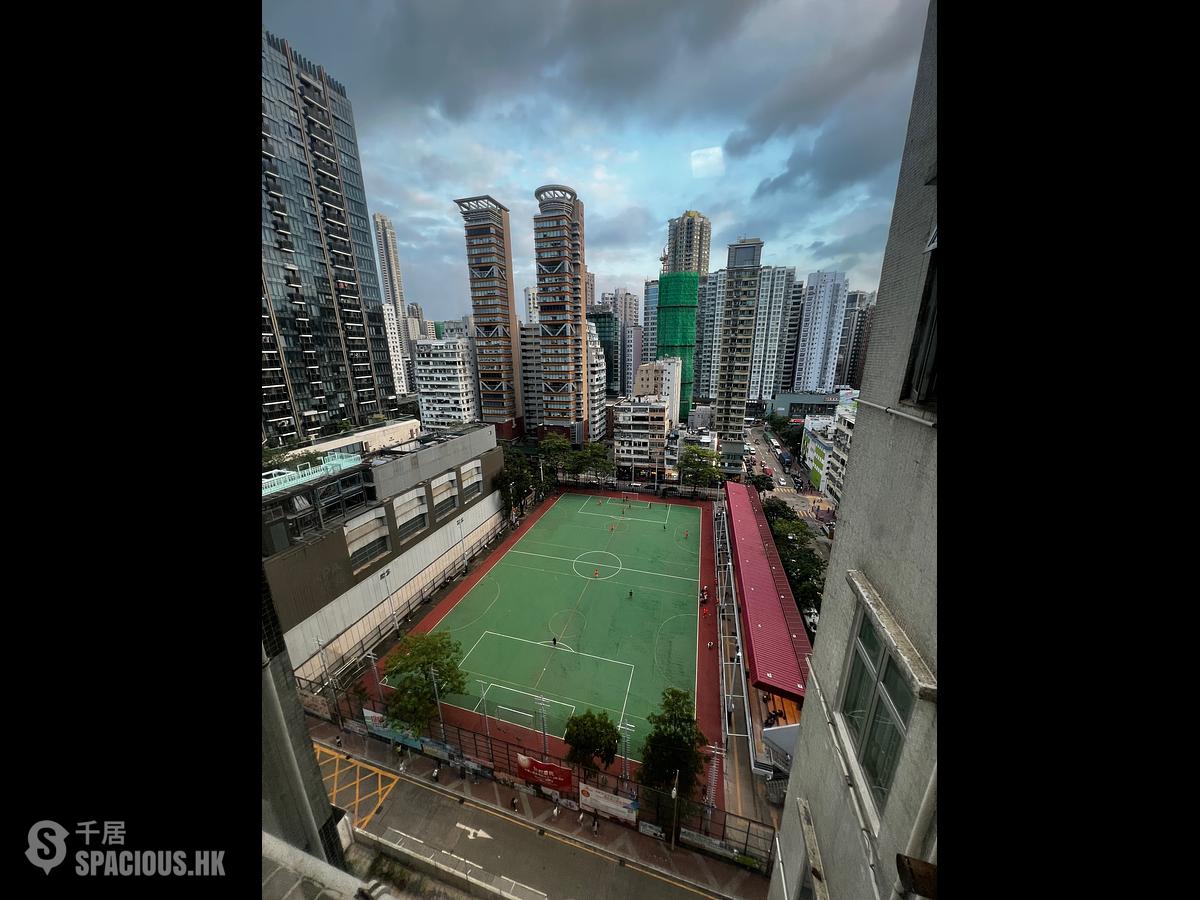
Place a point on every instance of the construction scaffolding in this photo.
(677, 293)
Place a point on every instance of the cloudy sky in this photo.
(778, 119)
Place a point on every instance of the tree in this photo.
(554, 449)
(287, 458)
(762, 483)
(418, 657)
(577, 463)
(777, 422)
(778, 510)
(515, 480)
(592, 737)
(697, 467)
(804, 568)
(673, 745)
(598, 462)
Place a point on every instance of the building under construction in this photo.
(677, 330)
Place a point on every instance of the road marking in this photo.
(473, 833)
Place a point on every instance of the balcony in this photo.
(274, 187)
(277, 207)
(268, 149)
(271, 167)
(292, 280)
(285, 246)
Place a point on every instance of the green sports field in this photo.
(570, 578)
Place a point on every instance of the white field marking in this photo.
(668, 519)
(626, 703)
(472, 650)
(537, 644)
(640, 587)
(535, 524)
(478, 617)
(559, 646)
(535, 696)
(482, 697)
(517, 711)
(598, 565)
(622, 518)
(667, 562)
(658, 634)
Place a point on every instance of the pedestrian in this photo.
(555, 639)
(664, 526)
(581, 817)
(337, 742)
(596, 573)
(556, 810)
(710, 645)
(685, 534)
(631, 595)
(436, 770)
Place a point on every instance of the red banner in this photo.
(548, 774)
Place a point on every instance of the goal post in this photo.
(635, 500)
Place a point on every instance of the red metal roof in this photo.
(772, 627)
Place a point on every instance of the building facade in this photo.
(739, 307)
(325, 355)
(497, 335)
(650, 321)
(688, 239)
(709, 316)
(791, 339)
(770, 332)
(597, 383)
(445, 383)
(608, 330)
(559, 246)
(835, 470)
(863, 790)
(634, 338)
(395, 342)
(531, 308)
(860, 342)
(591, 289)
(392, 282)
(640, 429)
(531, 375)
(820, 331)
(663, 379)
(677, 293)
(857, 303)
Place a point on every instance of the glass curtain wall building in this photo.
(325, 357)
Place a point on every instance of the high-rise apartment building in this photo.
(531, 307)
(497, 336)
(608, 330)
(688, 238)
(590, 280)
(791, 339)
(861, 801)
(862, 341)
(597, 381)
(640, 428)
(445, 383)
(770, 333)
(852, 321)
(558, 234)
(710, 310)
(820, 331)
(633, 358)
(624, 303)
(650, 320)
(393, 296)
(325, 357)
(736, 341)
(531, 375)
(677, 331)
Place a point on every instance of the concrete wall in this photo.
(888, 532)
(398, 475)
(366, 603)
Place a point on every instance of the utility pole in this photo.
(462, 544)
(675, 808)
(391, 601)
(373, 659)
(330, 683)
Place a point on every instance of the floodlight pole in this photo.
(372, 658)
(330, 683)
(625, 729)
(542, 703)
(391, 601)
(486, 727)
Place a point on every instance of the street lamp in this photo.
(391, 600)
(438, 700)
(675, 808)
(372, 658)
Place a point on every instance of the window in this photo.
(368, 552)
(920, 382)
(877, 704)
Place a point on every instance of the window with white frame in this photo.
(876, 705)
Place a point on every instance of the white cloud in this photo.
(708, 162)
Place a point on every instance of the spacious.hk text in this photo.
(149, 862)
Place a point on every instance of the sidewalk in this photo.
(686, 869)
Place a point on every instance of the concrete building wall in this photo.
(884, 567)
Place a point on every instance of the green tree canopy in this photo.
(762, 484)
(592, 737)
(598, 462)
(554, 449)
(778, 510)
(802, 564)
(673, 744)
(697, 466)
(416, 658)
(515, 480)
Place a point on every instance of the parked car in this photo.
(782, 482)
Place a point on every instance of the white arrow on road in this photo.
(472, 833)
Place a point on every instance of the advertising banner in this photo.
(438, 749)
(704, 842)
(376, 726)
(652, 830)
(609, 804)
(478, 766)
(543, 773)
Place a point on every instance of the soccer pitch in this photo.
(569, 580)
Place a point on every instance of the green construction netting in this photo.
(677, 292)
